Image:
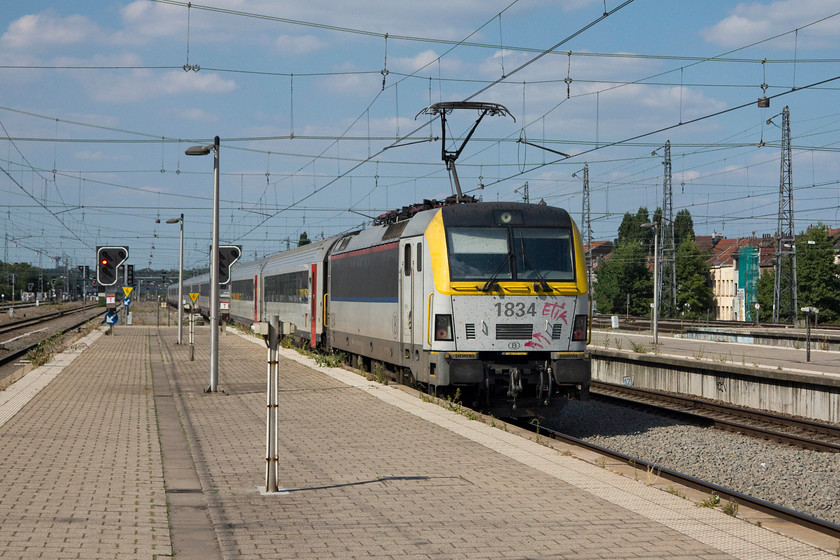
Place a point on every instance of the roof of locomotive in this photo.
(485, 213)
(385, 234)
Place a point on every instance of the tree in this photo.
(625, 274)
(683, 227)
(764, 293)
(817, 275)
(694, 284)
(631, 230)
(304, 240)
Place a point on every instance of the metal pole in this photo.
(214, 277)
(181, 284)
(271, 428)
(807, 336)
(655, 285)
(192, 334)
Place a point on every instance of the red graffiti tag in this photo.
(557, 311)
(537, 341)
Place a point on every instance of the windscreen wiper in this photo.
(492, 281)
(542, 284)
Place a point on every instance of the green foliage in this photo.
(24, 274)
(631, 230)
(44, 352)
(694, 283)
(625, 273)
(817, 278)
(304, 239)
(331, 360)
(817, 275)
(683, 227)
(764, 294)
(711, 502)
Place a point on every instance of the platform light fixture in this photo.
(214, 258)
(655, 318)
(180, 276)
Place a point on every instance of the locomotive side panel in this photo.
(363, 302)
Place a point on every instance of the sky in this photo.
(319, 109)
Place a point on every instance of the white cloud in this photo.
(686, 177)
(756, 21)
(198, 115)
(146, 21)
(47, 30)
(89, 155)
(430, 63)
(299, 44)
(140, 85)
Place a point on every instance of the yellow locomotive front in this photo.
(509, 317)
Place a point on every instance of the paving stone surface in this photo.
(368, 472)
(82, 474)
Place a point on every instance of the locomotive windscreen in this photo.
(512, 242)
(510, 253)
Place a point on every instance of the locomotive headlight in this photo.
(507, 217)
(443, 327)
(579, 328)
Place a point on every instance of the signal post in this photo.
(109, 258)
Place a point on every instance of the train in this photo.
(487, 299)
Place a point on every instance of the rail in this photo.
(789, 430)
(780, 512)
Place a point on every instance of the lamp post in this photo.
(655, 279)
(180, 276)
(214, 263)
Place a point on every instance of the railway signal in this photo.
(108, 260)
(228, 254)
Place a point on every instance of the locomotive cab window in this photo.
(407, 259)
(477, 253)
(543, 254)
(510, 253)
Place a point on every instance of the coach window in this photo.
(419, 256)
(407, 260)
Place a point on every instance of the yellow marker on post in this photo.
(127, 290)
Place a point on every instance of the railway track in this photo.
(11, 348)
(12, 326)
(800, 519)
(807, 434)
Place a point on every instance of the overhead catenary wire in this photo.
(385, 161)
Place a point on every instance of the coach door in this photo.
(411, 296)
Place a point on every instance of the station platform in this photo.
(115, 451)
(781, 379)
(819, 365)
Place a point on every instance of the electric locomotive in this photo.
(487, 297)
(491, 298)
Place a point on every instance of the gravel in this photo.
(805, 481)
